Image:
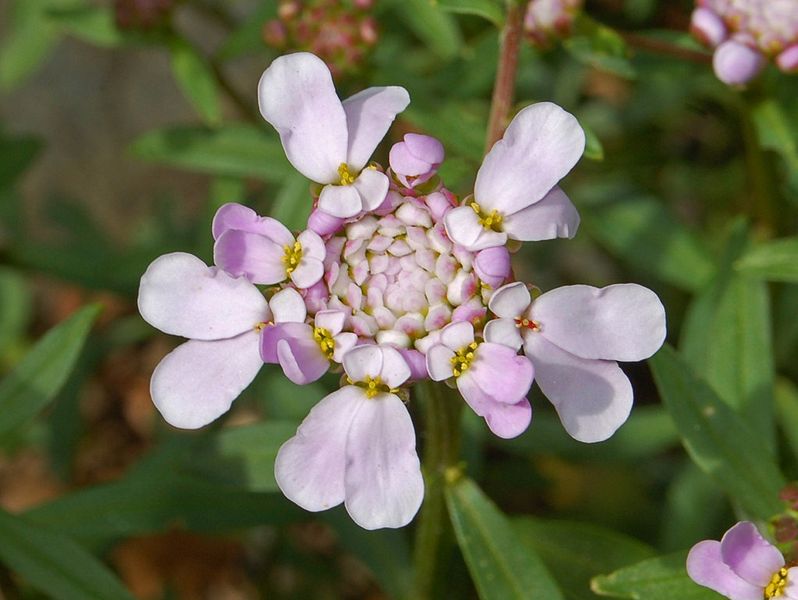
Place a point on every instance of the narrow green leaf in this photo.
(600, 47)
(776, 133)
(436, 28)
(499, 565)
(36, 380)
(487, 9)
(292, 204)
(660, 578)
(576, 552)
(195, 78)
(593, 148)
(92, 24)
(787, 408)
(236, 150)
(774, 261)
(54, 564)
(15, 307)
(727, 340)
(27, 42)
(713, 435)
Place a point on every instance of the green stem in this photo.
(441, 456)
(760, 204)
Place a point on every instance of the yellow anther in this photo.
(325, 341)
(778, 582)
(462, 359)
(346, 177)
(291, 257)
(263, 325)
(373, 386)
(491, 220)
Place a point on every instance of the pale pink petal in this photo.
(180, 295)
(510, 301)
(310, 467)
(272, 334)
(331, 320)
(240, 217)
(623, 322)
(457, 335)
(383, 482)
(542, 143)
(363, 361)
(307, 273)
(297, 96)
(369, 115)
(324, 224)
(394, 370)
(254, 256)
(736, 63)
(342, 201)
(553, 217)
(197, 382)
(372, 185)
(312, 245)
(301, 359)
(503, 331)
(439, 362)
(791, 589)
(344, 342)
(706, 567)
(417, 363)
(505, 420)
(288, 306)
(787, 61)
(425, 147)
(493, 265)
(504, 375)
(404, 162)
(708, 27)
(462, 227)
(592, 397)
(750, 555)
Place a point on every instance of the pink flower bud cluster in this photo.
(340, 33)
(746, 33)
(549, 20)
(142, 14)
(393, 281)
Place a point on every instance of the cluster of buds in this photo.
(341, 33)
(746, 33)
(549, 20)
(393, 281)
(142, 14)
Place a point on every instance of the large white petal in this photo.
(197, 381)
(180, 295)
(592, 397)
(542, 143)
(310, 466)
(297, 96)
(553, 217)
(623, 322)
(384, 486)
(369, 114)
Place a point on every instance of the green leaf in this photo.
(36, 380)
(16, 155)
(660, 578)
(461, 127)
(727, 340)
(642, 232)
(576, 552)
(27, 42)
(249, 36)
(600, 47)
(487, 9)
(54, 564)
(292, 204)
(774, 261)
(15, 308)
(92, 24)
(775, 133)
(714, 435)
(235, 150)
(787, 408)
(436, 28)
(498, 563)
(196, 80)
(593, 148)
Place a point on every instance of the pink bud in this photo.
(787, 61)
(736, 63)
(708, 27)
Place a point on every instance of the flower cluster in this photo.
(743, 566)
(745, 33)
(393, 281)
(549, 20)
(341, 33)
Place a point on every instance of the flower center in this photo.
(373, 386)
(491, 220)
(292, 256)
(346, 177)
(462, 359)
(777, 584)
(527, 324)
(325, 341)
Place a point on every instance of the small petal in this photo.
(197, 382)
(297, 96)
(301, 359)
(363, 361)
(324, 223)
(787, 60)
(503, 331)
(750, 555)
(417, 363)
(623, 322)
(505, 420)
(708, 27)
(706, 567)
(369, 115)
(310, 467)
(312, 245)
(331, 320)
(510, 301)
(394, 371)
(439, 362)
(404, 162)
(344, 342)
(552, 217)
(308, 272)
(384, 486)
(462, 227)
(425, 147)
(457, 335)
(288, 306)
(593, 397)
(504, 375)
(372, 185)
(493, 265)
(342, 201)
(242, 218)
(180, 295)
(736, 63)
(542, 143)
(254, 256)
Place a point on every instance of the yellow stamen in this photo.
(491, 221)
(527, 324)
(373, 386)
(462, 359)
(293, 254)
(778, 582)
(346, 177)
(263, 325)
(325, 341)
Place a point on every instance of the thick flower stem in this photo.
(441, 455)
(504, 87)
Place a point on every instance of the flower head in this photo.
(547, 20)
(743, 566)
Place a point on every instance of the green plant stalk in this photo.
(760, 206)
(440, 459)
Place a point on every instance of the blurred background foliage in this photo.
(124, 125)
